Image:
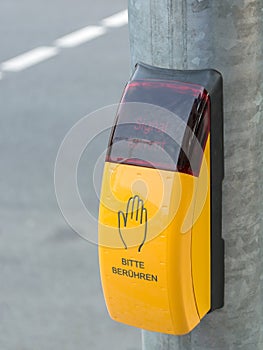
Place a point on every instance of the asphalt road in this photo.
(50, 294)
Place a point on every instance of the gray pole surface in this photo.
(226, 35)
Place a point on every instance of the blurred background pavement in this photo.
(50, 294)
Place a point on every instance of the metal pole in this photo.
(226, 35)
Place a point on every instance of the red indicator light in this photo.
(148, 137)
(176, 86)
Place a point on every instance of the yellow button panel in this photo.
(155, 270)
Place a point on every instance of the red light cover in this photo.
(148, 139)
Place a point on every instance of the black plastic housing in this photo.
(212, 81)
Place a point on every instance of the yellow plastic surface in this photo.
(154, 265)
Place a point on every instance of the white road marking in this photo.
(73, 39)
(117, 20)
(29, 58)
(80, 36)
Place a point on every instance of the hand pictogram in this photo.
(134, 217)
